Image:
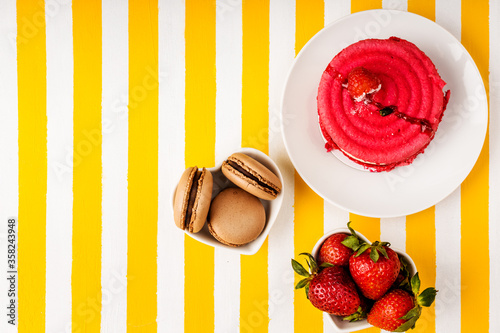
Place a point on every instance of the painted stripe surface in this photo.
(87, 169)
(114, 165)
(171, 74)
(308, 206)
(59, 167)
(199, 123)
(474, 191)
(142, 167)
(254, 307)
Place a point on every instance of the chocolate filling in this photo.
(247, 174)
(192, 198)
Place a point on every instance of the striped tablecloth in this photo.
(103, 106)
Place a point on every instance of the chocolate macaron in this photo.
(236, 217)
(192, 199)
(252, 176)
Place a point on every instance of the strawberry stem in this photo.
(360, 314)
(353, 241)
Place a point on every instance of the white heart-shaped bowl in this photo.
(272, 207)
(336, 321)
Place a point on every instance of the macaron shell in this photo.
(247, 184)
(236, 217)
(181, 196)
(256, 169)
(202, 202)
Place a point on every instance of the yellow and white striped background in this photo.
(104, 103)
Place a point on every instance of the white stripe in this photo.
(280, 241)
(227, 275)
(59, 165)
(335, 9)
(393, 230)
(228, 63)
(114, 165)
(448, 218)
(448, 263)
(9, 157)
(448, 15)
(334, 217)
(171, 68)
(395, 4)
(494, 195)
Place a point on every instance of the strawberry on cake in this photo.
(380, 102)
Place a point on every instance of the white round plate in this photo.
(435, 173)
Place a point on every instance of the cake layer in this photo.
(411, 94)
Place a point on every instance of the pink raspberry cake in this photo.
(380, 102)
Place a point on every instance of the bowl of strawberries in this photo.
(362, 284)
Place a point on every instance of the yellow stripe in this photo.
(309, 19)
(255, 75)
(309, 207)
(142, 166)
(255, 126)
(425, 8)
(475, 268)
(308, 228)
(87, 189)
(421, 247)
(360, 5)
(368, 226)
(200, 151)
(31, 71)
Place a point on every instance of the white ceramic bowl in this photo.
(337, 322)
(271, 207)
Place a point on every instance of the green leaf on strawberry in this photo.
(360, 314)
(415, 284)
(410, 324)
(302, 283)
(362, 248)
(353, 241)
(426, 298)
(326, 264)
(376, 248)
(299, 269)
(311, 262)
(383, 251)
(412, 313)
(330, 289)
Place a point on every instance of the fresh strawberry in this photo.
(334, 252)
(374, 274)
(337, 248)
(362, 82)
(388, 311)
(330, 289)
(399, 310)
(333, 291)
